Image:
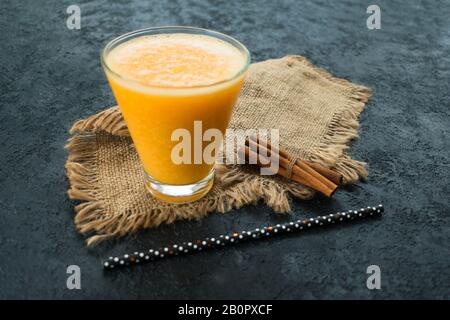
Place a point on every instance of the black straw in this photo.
(239, 237)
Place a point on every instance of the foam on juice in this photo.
(176, 60)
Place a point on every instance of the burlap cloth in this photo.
(317, 116)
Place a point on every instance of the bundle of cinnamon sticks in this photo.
(312, 175)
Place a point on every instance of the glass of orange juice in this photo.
(175, 86)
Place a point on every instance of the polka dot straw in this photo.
(239, 237)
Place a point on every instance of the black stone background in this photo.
(51, 76)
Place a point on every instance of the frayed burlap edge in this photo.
(246, 188)
(92, 216)
(343, 128)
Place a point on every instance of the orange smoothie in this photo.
(164, 82)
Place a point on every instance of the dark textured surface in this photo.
(51, 76)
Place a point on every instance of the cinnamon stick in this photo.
(335, 177)
(299, 168)
(299, 175)
(330, 174)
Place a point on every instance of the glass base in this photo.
(179, 193)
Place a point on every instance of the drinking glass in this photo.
(153, 113)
